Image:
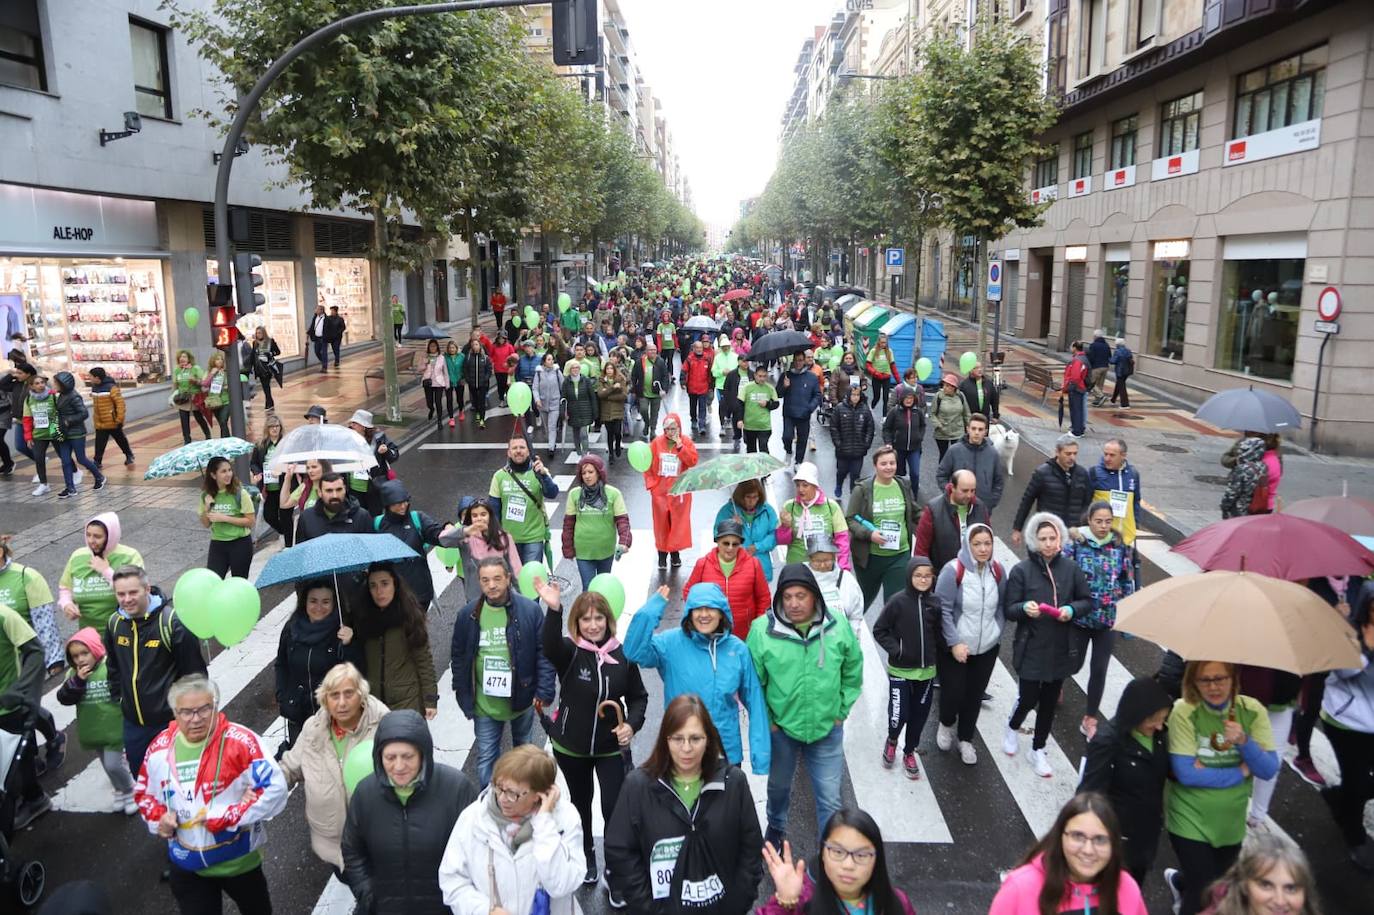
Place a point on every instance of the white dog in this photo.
(1005, 442)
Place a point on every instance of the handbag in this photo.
(181, 398)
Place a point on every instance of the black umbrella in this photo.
(426, 332)
(779, 343)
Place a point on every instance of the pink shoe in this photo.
(451, 423)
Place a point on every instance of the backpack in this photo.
(959, 571)
(414, 519)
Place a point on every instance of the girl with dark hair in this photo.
(313, 640)
(480, 536)
(395, 644)
(749, 506)
(1077, 866)
(1108, 564)
(683, 835)
(434, 379)
(851, 873)
(227, 510)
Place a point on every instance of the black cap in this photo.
(315, 410)
(730, 528)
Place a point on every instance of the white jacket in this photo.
(842, 593)
(552, 859)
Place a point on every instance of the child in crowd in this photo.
(99, 722)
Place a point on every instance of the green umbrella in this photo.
(192, 458)
(726, 470)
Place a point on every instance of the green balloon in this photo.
(519, 398)
(194, 599)
(641, 457)
(191, 316)
(515, 321)
(358, 765)
(609, 587)
(237, 606)
(564, 301)
(450, 556)
(967, 361)
(531, 317)
(528, 572)
(923, 368)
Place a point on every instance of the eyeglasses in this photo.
(510, 795)
(1213, 681)
(190, 714)
(1080, 839)
(687, 740)
(837, 854)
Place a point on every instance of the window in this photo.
(1283, 93)
(1123, 143)
(1180, 121)
(1057, 43)
(21, 46)
(1082, 155)
(1261, 300)
(1146, 21)
(1168, 308)
(1116, 282)
(1092, 37)
(152, 89)
(1047, 168)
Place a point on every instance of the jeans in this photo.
(530, 552)
(321, 347)
(908, 705)
(962, 687)
(579, 435)
(700, 409)
(909, 466)
(19, 444)
(801, 428)
(852, 467)
(590, 568)
(489, 740)
(1078, 412)
(197, 895)
(824, 764)
(103, 436)
(1043, 697)
(136, 740)
(72, 451)
(334, 345)
(1262, 789)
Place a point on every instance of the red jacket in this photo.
(1076, 375)
(696, 373)
(500, 354)
(746, 589)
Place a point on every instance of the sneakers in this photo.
(56, 753)
(1011, 741)
(42, 489)
(1306, 771)
(913, 771)
(1171, 881)
(481, 423)
(1040, 763)
(944, 738)
(967, 754)
(591, 876)
(31, 809)
(451, 423)
(612, 899)
(66, 494)
(462, 416)
(676, 559)
(129, 461)
(889, 754)
(7, 469)
(662, 561)
(100, 482)
(124, 803)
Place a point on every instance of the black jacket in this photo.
(313, 522)
(731, 407)
(659, 380)
(71, 409)
(404, 528)
(581, 405)
(937, 532)
(851, 428)
(305, 653)
(1044, 648)
(143, 658)
(992, 398)
(582, 687)
(12, 392)
(908, 628)
(477, 369)
(721, 839)
(334, 326)
(1052, 489)
(985, 463)
(391, 851)
(904, 429)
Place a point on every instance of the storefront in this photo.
(346, 282)
(1116, 281)
(1261, 298)
(83, 278)
(1168, 299)
(280, 314)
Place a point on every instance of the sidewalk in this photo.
(1178, 457)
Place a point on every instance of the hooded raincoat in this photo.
(93, 592)
(672, 514)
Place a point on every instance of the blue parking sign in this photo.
(896, 257)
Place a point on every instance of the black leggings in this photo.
(1355, 755)
(613, 428)
(756, 440)
(1102, 641)
(479, 402)
(578, 770)
(434, 400)
(502, 383)
(232, 556)
(908, 704)
(103, 436)
(40, 458)
(185, 416)
(881, 386)
(1199, 866)
(1313, 689)
(1043, 697)
(962, 687)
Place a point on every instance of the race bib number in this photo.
(496, 677)
(662, 863)
(1120, 500)
(891, 532)
(515, 509)
(668, 465)
(815, 525)
(269, 479)
(40, 417)
(217, 386)
(760, 397)
(361, 476)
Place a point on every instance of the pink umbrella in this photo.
(737, 294)
(1352, 515)
(1280, 546)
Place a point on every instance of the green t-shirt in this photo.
(727, 566)
(756, 397)
(881, 364)
(217, 394)
(525, 523)
(647, 365)
(1145, 741)
(889, 514)
(687, 790)
(14, 632)
(825, 518)
(340, 743)
(187, 381)
(311, 499)
(911, 673)
(99, 721)
(667, 336)
(187, 759)
(43, 412)
(226, 503)
(594, 534)
(1212, 815)
(404, 792)
(492, 673)
(91, 592)
(22, 589)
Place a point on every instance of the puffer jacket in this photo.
(979, 626)
(417, 530)
(584, 682)
(1248, 474)
(949, 415)
(908, 628)
(108, 405)
(71, 409)
(1110, 570)
(306, 652)
(851, 429)
(760, 531)
(904, 428)
(1066, 493)
(718, 668)
(610, 396)
(314, 762)
(745, 587)
(392, 851)
(581, 400)
(1046, 648)
(548, 387)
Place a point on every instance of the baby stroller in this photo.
(18, 876)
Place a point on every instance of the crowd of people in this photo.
(766, 657)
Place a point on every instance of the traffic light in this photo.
(224, 330)
(246, 283)
(575, 33)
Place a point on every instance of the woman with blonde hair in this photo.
(186, 379)
(1271, 877)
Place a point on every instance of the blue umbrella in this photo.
(1248, 409)
(328, 555)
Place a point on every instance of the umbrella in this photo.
(777, 344)
(626, 752)
(726, 470)
(329, 555)
(1247, 409)
(336, 444)
(1352, 515)
(701, 322)
(1283, 546)
(426, 332)
(1241, 618)
(737, 294)
(647, 265)
(192, 458)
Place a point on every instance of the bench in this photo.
(1043, 374)
(405, 365)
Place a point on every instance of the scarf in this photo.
(594, 496)
(306, 631)
(374, 621)
(602, 651)
(515, 833)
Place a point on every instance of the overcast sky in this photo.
(723, 71)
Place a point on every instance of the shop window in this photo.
(152, 86)
(1116, 282)
(280, 314)
(1083, 155)
(1289, 91)
(346, 282)
(21, 46)
(1047, 168)
(1180, 122)
(1168, 308)
(1123, 143)
(1257, 330)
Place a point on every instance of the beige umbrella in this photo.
(1243, 618)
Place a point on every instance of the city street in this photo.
(950, 835)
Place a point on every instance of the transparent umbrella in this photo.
(339, 445)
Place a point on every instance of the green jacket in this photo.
(809, 681)
(398, 313)
(726, 361)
